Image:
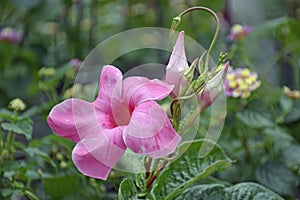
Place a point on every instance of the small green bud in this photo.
(222, 58)
(102, 188)
(54, 149)
(16, 176)
(40, 172)
(201, 67)
(5, 155)
(46, 72)
(189, 74)
(63, 165)
(93, 182)
(59, 156)
(17, 105)
(176, 21)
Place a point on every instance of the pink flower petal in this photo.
(61, 118)
(213, 88)
(95, 156)
(177, 66)
(110, 87)
(150, 131)
(140, 89)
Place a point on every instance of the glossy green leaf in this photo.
(188, 169)
(127, 190)
(277, 177)
(242, 191)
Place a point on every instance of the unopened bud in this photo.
(40, 172)
(17, 105)
(59, 156)
(189, 74)
(213, 88)
(46, 72)
(63, 165)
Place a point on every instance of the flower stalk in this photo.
(177, 20)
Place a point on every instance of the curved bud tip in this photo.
(213, 88)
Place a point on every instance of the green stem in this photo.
(219, 181)
(190, 120)
(246, 147)
(1, 139)
(8, 139)
(12, 141)
(147, 167)
(216, 32)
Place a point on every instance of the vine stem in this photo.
(216, 32)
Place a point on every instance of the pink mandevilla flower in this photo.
(178, 65)
(124, 115)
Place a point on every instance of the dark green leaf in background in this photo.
(20, 127)
(277, 177)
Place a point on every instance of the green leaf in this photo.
(286, 104)
(127, 190)
(188, 169)
(280, 137)
(251, 191)
(278, 133)
(268, 27)
(23, 126)
(242, 191)
(277, 177)
(5, 192)
(291, 157)
(60, 186)
(203, 192)
(32, 152)
(254, 119)
(294, 113)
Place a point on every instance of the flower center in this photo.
(121, 114)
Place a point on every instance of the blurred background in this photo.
(55, 31)
(43, 43)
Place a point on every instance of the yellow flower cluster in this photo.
(241, 82)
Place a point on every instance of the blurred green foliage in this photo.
(261, 133)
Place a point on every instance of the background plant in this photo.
(261, 134)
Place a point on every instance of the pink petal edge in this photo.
(177, 66)
(150, 131)
(62, 120)
(96, 156)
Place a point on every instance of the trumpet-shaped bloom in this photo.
(124, 115)
(178, 65)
